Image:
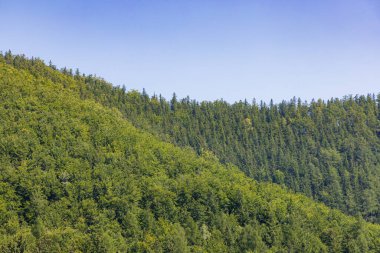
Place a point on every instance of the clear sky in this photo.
(207, 49)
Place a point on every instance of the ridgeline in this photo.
(76, 175)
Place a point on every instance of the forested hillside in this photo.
(76, 176)
(327, 150)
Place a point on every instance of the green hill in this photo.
(76, 176)
(326, 150)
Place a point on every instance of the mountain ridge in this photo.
(327, 150)
(77, 176)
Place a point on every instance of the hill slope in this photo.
(327, 150)
(77, 176)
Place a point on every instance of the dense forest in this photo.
(329, 151)
(77, 176)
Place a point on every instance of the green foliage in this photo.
(327, 150)
(76, 176)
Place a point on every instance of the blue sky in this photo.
(207, 49)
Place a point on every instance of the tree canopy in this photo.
(77, 176)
